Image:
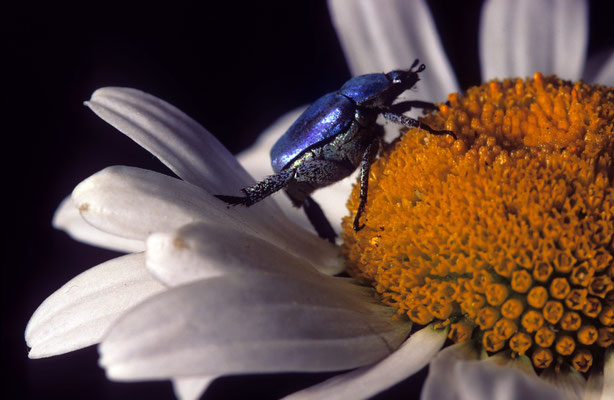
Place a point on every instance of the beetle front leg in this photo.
(260, 190)
(405, 106)
(409, 122)
(365, 167)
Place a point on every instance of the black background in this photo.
(234, 68)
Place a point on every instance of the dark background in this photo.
(234, 68)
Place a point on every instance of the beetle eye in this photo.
(396, 76)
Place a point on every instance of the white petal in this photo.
(191, 152)
(183, 145)
(365, 382)
(380, 36)
(78, 314)
(455, 374)
(191, 388)
(519, 38)
(606, 74)
(198, 251)
(68, 219)
(253, 322)
(133, 203)
(440, 381)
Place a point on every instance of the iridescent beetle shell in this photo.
(330, 115)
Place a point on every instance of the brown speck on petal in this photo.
(179, 243)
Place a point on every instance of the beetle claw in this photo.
(357, 225)
(318, 220)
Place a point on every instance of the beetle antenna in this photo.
(416, 61)
(421, 68)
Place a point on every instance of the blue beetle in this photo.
(332, 138)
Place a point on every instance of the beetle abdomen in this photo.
(329, 116)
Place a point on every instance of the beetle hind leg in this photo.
(310, 176)
(318, 220)
(260, 190)
(315, 215)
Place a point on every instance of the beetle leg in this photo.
(409, 122)
(310, 176)
(365, 166)
(405, 106)
(318, 220)
(260, 190)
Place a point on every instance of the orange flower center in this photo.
(506, 234)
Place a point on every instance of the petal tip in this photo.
(108, 90)
(35, 353)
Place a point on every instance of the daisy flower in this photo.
(499, 242)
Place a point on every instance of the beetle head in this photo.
(407, 78)
(402, 80)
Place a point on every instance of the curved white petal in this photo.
(383, 35)
(78, 314)
(68, 219)
(193, 154)
(606, 74)
(519, 38)
(198, 251)
(456, 374)
(191, 388)
(252, 322)
(331, 199)
(365, 382)
(440, 383)
(133, 203)
(182, 144)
